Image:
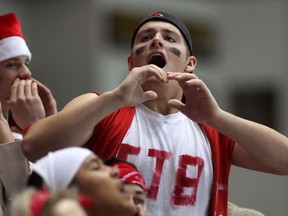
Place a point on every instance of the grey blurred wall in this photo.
(58, 34)
(73, 54)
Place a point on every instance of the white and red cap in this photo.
(12, 43)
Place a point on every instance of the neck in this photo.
(160, 107)
(165, 93)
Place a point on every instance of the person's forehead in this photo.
(159, 25)
(17, 58)
(133, 188)
(92, 159)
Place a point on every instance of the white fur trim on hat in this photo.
(14, 46)
(59, 168)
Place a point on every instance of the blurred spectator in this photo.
(234, 210)
(23, 101)
(80, 167)
(32, 202)
(134, 183)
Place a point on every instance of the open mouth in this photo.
(158, 60)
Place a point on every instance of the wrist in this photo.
(216, 121)
(118, 102)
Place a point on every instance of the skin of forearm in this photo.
(72, 126)
(264, 144)
(5, 132)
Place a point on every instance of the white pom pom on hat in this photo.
(12, 43)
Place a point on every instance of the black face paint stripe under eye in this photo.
(175, 51)
(140, 50)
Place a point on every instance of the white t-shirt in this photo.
(174, 157)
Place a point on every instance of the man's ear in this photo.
(130, 63)
(191, 64)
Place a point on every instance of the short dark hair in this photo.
(35, 180)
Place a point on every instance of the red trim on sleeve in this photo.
(109, 132)
(222, 149)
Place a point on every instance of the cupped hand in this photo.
(200, 105)
(47, 98)
(25, 103)
(130, 91)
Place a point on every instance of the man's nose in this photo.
(24, 73)
(157, 40)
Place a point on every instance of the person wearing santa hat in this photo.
(23, 101)
(134, 183)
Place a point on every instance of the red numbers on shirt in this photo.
(160, 156)
(182, 180)
(179, 197)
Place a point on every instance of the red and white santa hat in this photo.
(12, 43)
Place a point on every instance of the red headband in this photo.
(129, 174)
(40, 198)
(38, 201)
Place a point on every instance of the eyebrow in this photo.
(140, 192)
(150, 30)
(16, 59)
(170, 31)
(93, 160)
